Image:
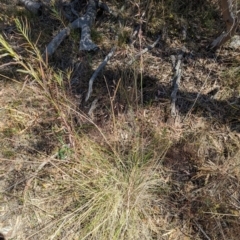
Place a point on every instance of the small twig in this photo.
(173, 59)
(92, 108)
(8, 64)
(75, 75)
(203, 232)
(148, 48)
(177, 64)
(176, 82)
(100, 67)
(174, 94)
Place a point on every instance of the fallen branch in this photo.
(176, 82)
(100, 67)
(203, 232)
(86, 42)
(74, 14)
(231, 20)
(85, 23)
(92, 108)
(105, 7)
(148, 48)
(34, 7)
(53, 45)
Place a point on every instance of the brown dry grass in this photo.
(130, 170)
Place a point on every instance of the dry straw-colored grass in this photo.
(128, 171)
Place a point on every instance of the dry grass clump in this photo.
(205, 185)
(97, 193)
(80, 188)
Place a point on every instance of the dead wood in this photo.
(86, 42)
(104, 7)
(95, 74)
(85, 23)
(71, 5)
(34, 7)
(231, 19)
(177, 64)
(203, 232)
(53, 45)
(148, 48)
(92, 108)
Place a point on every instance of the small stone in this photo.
(235, 42)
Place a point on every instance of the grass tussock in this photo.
(102, 194)
(126, 169)
(105, 189)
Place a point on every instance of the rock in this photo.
(235, 42)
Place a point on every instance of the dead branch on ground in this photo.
(34, 7)
(95, 74)
(53, 45)
(148, 48)
(231, 19)
(84, 23)
(176, 81)
(92, 108)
